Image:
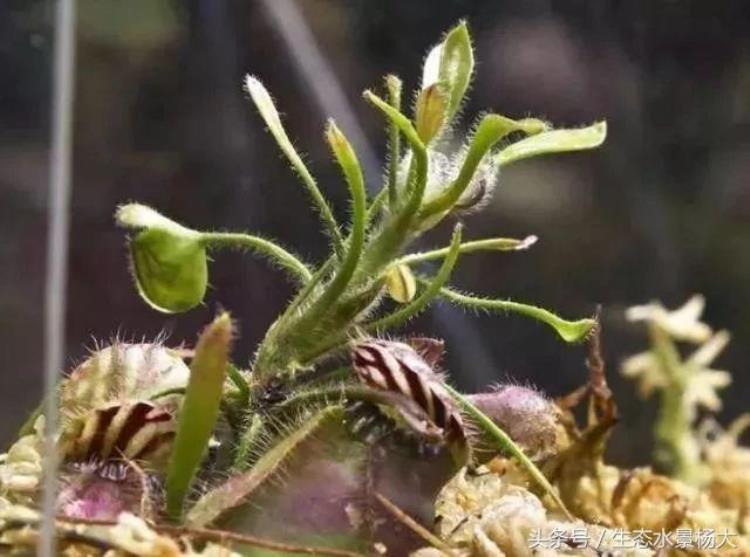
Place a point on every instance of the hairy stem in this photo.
(261, 246)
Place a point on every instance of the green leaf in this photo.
(554, 141)
(168, 260)
(237, 488)
(492, 128)
(199, 411)
(569, 331)
(456, 67)
(347, 159)
(267, 109)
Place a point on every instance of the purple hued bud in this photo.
(526, 415)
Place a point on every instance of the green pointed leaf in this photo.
(554, 141)
(168, 260)
(199, 411)
(456, 67)
(267, 109)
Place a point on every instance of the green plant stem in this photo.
(490, 130)
(677, 447)
(248, 442)
(264, 247)
(508, 445)
(333, 394)
(490, 244)
(397, 230)
(570, 331)
(238, 381)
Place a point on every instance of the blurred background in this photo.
(660, 212)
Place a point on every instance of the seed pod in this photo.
(120, 404)
(526, 415)
(400, 284)
(397, 367)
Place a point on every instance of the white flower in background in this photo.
(646, 369)
(701, 389)
(682, 324)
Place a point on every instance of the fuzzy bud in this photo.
(525, 414)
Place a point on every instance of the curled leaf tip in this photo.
(575, 331)
(527, 242)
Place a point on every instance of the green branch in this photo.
(570, 331)
(261, 246)
(490, 244)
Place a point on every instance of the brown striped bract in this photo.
(120, 404)
(397, 367)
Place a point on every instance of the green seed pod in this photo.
(169, 260)
(401, 284)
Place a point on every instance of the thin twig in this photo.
(413, 525)
(226, 536)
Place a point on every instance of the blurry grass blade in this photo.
(237, 488)
(554, 141)
(400, 283)
(492, 128)
(430, 113)
(507, 444)
(168, 260)
(456, 67)
(199, 411)
(569, 331)
(270, 115)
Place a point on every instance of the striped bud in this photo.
(120, 404)
(397, 367)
